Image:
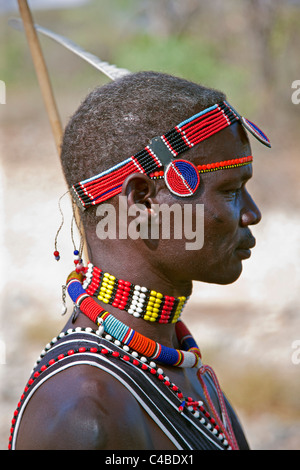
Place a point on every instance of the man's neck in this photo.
(136, 270)
(134, 267)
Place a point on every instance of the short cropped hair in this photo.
(119, 119)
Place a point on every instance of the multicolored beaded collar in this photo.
(135, 343)
(138, 301)
(126, 335)
(161, 155)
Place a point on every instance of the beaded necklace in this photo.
(111, 325)
(138, 301)
(139, 344)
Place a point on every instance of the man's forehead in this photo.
(243, 173)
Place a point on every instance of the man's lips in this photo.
(243, 253)
(244, 249)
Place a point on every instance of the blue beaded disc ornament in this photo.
(255, 131)
(182, 178)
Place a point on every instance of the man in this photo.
(118, 396)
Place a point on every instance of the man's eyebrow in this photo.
(235, 179)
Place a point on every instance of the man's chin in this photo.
(225, 277)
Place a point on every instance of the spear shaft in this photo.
(44, 83)
(41, 72)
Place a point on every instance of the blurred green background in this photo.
(247, 48)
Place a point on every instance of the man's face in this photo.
(228, 212)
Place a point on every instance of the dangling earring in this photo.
(63, 297)
(79, 267)
(76, 252)
(56, 252)
(78, 261)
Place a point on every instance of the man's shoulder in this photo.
(78, 409)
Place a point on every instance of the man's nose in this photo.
(250, 214)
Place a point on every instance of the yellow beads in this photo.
(154, 294)
(153, 306)
(179, 308)
(106, 288)
(156, 310)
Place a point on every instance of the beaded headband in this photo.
(160, 157)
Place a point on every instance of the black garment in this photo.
(185, 430)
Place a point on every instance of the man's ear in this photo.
(140, 192)
(139, 189)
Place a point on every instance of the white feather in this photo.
(111, 71)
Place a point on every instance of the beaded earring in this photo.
(78, 261)
(56, 252)
(77, 253)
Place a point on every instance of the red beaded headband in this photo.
(181, 176)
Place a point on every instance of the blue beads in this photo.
(115, 327)
(168, 355)
(75, 289)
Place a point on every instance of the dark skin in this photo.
(80, 407)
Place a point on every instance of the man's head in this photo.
(118, 120)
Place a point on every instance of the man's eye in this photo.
(233, 192)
